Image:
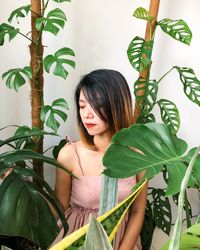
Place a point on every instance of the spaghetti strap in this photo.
(72, 143)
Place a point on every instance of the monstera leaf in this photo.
(146, 93)
(139, 53)
(155, 145)
(19, 12)
(58, 59)
(7, 30)
(178, 29)
(54, 21)
(49, 113)
(142, 13)
(169, 114)
(190, 83)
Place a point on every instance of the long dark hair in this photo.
(108, 93)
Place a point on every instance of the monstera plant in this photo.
(146, 91)
(161, 149)
(24, 195)
(24, 205)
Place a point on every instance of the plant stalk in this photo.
(37, 82)
(150, 30)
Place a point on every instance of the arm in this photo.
(134, 226)
(63, 179)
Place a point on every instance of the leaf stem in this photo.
(165, 75)
(25, 36)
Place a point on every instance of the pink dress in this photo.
(81, 205)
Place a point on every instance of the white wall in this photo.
(99, 32)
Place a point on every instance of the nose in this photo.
(88, 112)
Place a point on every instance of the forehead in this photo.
(82, 96)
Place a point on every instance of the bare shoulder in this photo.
(67, 156)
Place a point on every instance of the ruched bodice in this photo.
(86, 190)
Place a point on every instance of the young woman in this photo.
(104, 106)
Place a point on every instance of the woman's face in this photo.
(91, 121)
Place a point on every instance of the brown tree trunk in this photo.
(153, 11)
(37, 82)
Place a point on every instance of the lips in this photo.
(90, 125)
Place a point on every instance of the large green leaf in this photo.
(158, 145)
(6, 29)
(191, 84)
(178, 29)
(59, 70)
(142, 13)
(176, 235)
(169, 114)
(23, 210)
(15, 78)
(146, 94)
(139, 53)
(24, 136)
(190, 239)
(19, 12)
(51, 120)
(53, 22)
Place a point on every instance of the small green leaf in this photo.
(58, 147)
(15, 78)
(60, 103)
(59, 69)
(139, 53)
(53, 22)
(57, 13)
(162, 210)
(6, 29)
(19, 13)
(27, 141)
(169, 114)
(146, 94)
(44, 110)
(178, 29)
(142, 13)
(51, 121)
(146, 118)
(191, 84)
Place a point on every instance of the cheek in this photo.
(81, 114)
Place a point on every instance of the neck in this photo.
(102, 142)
